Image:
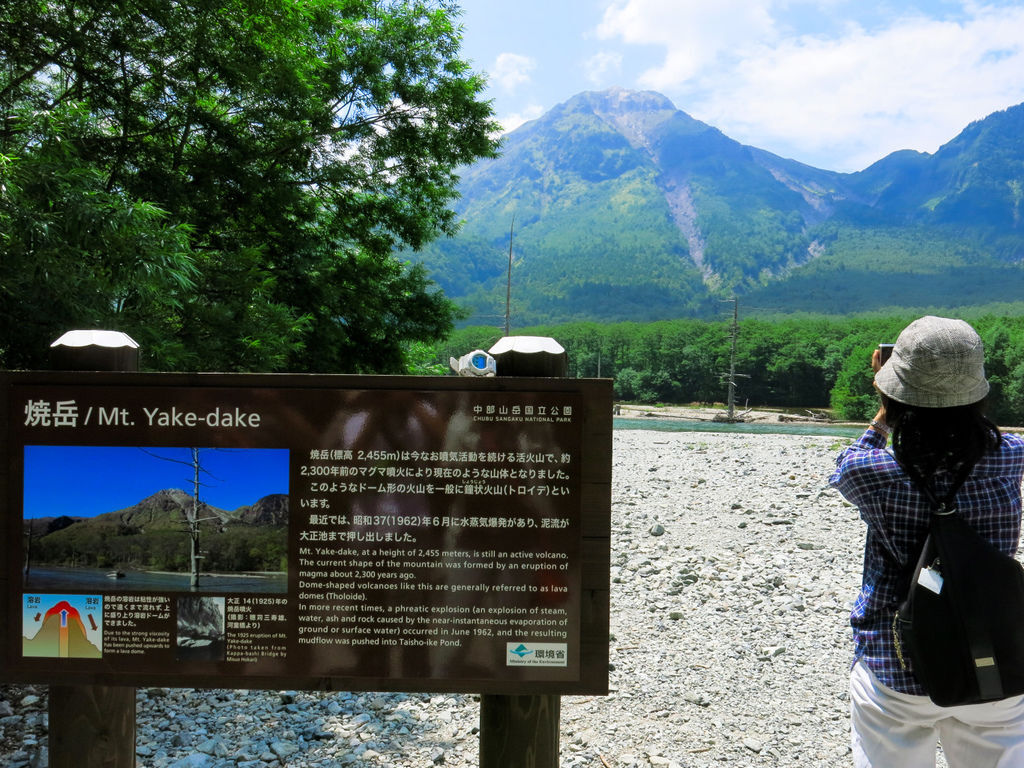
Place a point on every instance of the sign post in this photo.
(523, 731)
(355, 533)
(93, 726)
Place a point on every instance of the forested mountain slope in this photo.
(626, 208)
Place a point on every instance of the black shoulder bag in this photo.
(961, 625)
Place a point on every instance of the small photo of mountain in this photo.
(113, 519)
(201, 628)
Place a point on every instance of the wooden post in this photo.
(93, 726)
(519, 731)
(523, 731)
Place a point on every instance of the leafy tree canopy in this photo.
(790, 361)
(227, 180)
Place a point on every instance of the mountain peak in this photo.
(627, 208)
(642, 117)
(618, 101)
(166, 499)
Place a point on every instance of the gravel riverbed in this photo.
(733, 570)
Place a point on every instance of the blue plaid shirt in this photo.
(897, 518)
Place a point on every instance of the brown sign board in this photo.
(313, 532)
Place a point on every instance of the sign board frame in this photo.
(554, 434)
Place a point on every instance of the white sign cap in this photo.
(527, 344)
(112, 339)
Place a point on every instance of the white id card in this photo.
(931, 580)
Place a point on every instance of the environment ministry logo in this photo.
(522, 651)
(536, 654)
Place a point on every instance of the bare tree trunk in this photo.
(193, 523)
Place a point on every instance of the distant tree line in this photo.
(799, 361)
(233, 550)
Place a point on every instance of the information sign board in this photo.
(360, 533)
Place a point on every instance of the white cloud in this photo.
(913, 85)
(603, 65)
(852, 97)
(511, 70)
(512, 121)
(695, 33)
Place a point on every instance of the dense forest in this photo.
(234, 549)
(794, 362)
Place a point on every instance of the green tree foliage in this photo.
(235, 548)
(789, 362)
(865, 269)
(76, 254)
(227, 180)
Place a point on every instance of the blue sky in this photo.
(87, 481)
(837, 84)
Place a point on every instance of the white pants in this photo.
(896, 730)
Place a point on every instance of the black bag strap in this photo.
(986, 671)
(943, 506)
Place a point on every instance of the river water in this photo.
(822, 429)
(54, 579)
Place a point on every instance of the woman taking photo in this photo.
(932, 396)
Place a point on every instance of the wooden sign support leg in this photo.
(522, 731)
(519, 731)
(93, 726)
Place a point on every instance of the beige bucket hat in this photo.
(937, 362)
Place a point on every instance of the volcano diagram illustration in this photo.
(62, 635)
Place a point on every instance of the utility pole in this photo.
(192, 518)
(508, 287)
(735, 331)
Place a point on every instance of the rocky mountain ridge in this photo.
(621, 206)
(153, 534)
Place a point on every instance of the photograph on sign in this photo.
(201, 628)
(114, 519)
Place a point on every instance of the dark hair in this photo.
(926, 440)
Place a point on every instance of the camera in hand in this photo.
(884, 352)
